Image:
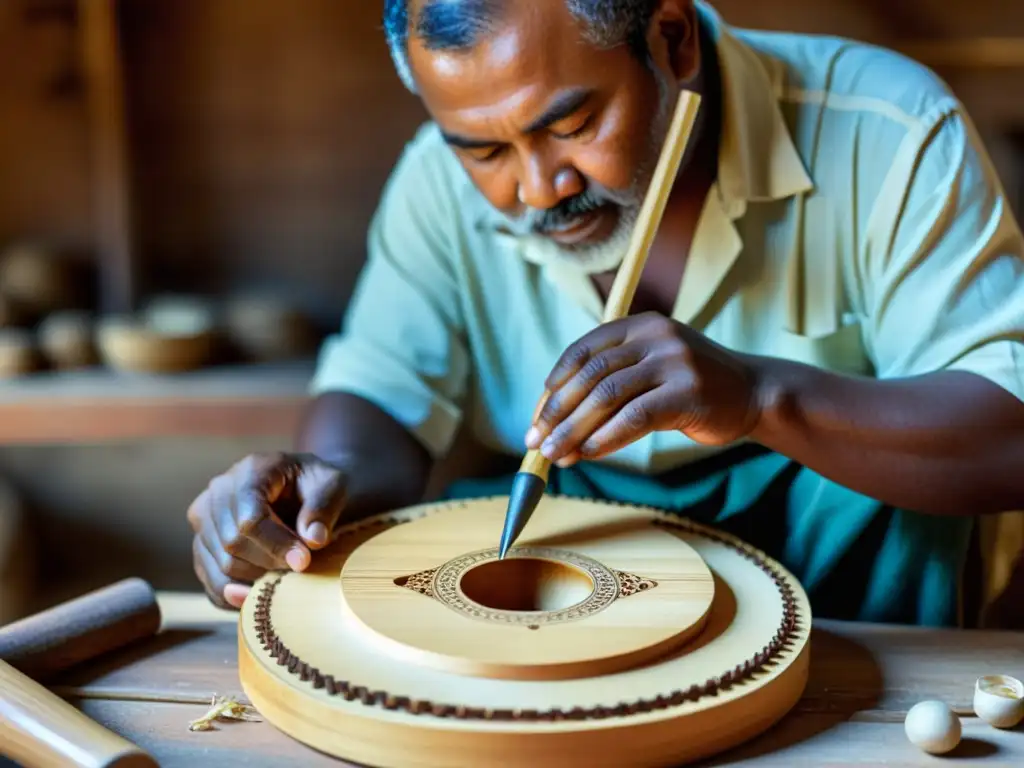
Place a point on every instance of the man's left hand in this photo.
(642, 374)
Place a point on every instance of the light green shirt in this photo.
(856, 224)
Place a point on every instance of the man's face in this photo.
(559, 135)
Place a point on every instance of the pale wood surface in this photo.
(422, 630)
(863, 680)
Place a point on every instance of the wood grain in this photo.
(813, 740)
(863, 679)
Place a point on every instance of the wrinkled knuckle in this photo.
(579, 353)
(561, 434)
(636, 417)
(595, 368)
(608, 391)
(552, 408)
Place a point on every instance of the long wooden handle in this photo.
(620, 298)
(81, 629)
(38, 729)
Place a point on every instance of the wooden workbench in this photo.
(863, 680)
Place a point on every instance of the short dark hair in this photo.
(459, 25)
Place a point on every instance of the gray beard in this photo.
(607, 255)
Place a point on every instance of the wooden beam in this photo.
(104, 77)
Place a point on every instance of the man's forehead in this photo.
(533, 45)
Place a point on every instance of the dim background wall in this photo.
(260, 134)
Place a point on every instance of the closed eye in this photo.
(484, 156)
(576, 132)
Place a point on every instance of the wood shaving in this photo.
(224, 708)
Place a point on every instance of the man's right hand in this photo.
(265, 513)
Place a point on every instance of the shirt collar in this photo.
(758, 160)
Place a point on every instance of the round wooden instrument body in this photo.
(610, 635)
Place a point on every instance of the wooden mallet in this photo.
(38, 729)
(531, 480)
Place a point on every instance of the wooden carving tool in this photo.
(38, 729)
(532, 478)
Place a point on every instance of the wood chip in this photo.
(224, 708)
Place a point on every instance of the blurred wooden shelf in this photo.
(100, 405)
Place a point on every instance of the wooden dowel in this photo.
(39, 729)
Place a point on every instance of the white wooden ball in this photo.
(933, 727)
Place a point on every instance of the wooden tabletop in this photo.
(863, 680)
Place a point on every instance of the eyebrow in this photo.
(560, 108)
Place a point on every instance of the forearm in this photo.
(386, 466)
(946, 443)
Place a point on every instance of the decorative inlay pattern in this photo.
(630, 583)
(351, 691)
(442, 584)
(422, 582)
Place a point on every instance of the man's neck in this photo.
(700, 163)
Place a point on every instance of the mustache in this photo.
(568, 210)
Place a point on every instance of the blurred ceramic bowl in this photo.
(136, 345)
(66, 340)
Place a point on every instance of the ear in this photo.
(673, 41)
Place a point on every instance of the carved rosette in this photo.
(442, 584)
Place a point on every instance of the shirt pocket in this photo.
(841, 350)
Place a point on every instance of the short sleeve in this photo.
(945, 262)
(401, 345)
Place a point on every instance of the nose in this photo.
(541, 189)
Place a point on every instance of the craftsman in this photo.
(826, 353)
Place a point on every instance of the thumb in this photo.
(322, 490)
